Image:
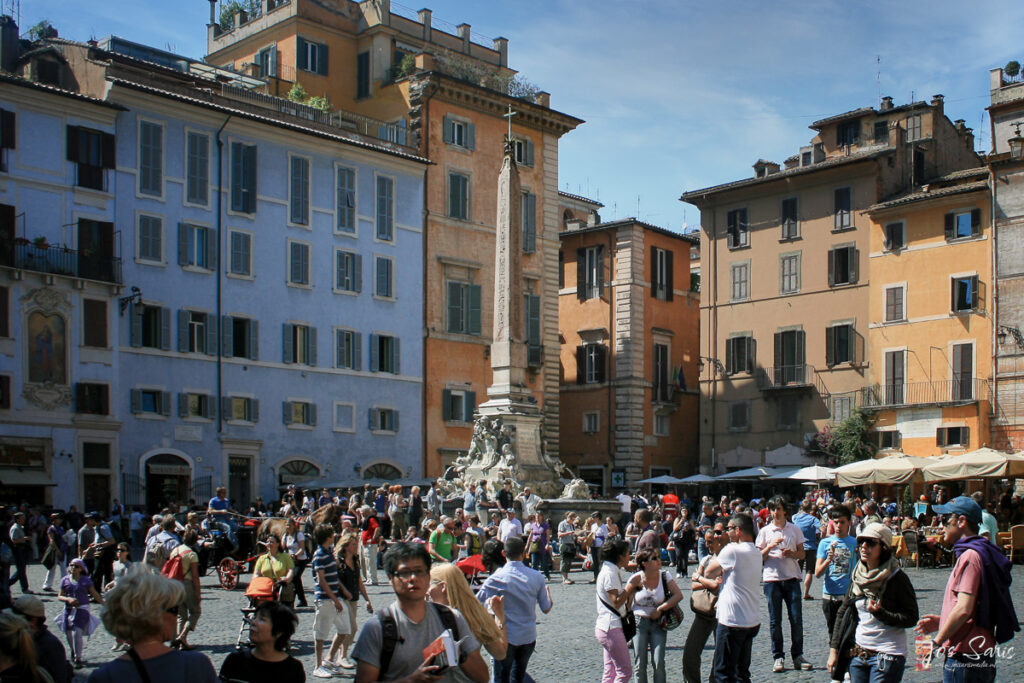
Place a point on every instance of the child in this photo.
(330, 599)
(76, 621)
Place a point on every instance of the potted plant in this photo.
(40, 242)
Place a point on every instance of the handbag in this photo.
(674, 617)
(628, 621)
(704, 602)
(49, 557)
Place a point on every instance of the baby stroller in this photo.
(260, 590)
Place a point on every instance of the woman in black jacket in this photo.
(879, 607)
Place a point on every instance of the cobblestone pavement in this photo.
(566, 650)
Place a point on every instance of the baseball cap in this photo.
(29, 605)
(961, 505)
(879, 531)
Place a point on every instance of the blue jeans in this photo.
(702, 548)
(790, 591)
(513, 667)
(965, 670)
(878, 669)
(649, 635)
(540, 562)
(732, 653)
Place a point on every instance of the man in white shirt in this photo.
(530, 502)
(739, 608)
(510, 526)
(625, 508)
(782, 544)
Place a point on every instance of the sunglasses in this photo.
(869, 542)
(719, 532)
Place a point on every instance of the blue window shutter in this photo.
(183, 317)
(529, 153)
(254, 410)
(183, 255)
(394, 420)
(455, 307)
(321, 62)
(227, 336)
(135, 332)
(301, 54)
(237, 169)
(470, 136)
(211, 335)
(136, 400)
(312, 346)
(182, 405)
(165, 403)
(370, 415)
(357, 351)
(272, 66)
(211, 248)
(449, 130)
(312, 414)
(294, 263)
(254, 340)
(288, 345)
(357, 278)
(225, 407)
(250, 176)
(396, 357)
(382, 285)
(286, 412)
(473, 322)
(469, 403)
(165, 329)
(374, 353)
(211, 410)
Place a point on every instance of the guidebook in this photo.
(443, 652)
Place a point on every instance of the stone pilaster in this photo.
(548, 245)
(629, 300)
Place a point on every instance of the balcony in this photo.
(786, 377)
(943, 392)
(62, 261)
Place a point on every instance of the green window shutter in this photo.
(301, 54)
(581, 274)
(183, 318)
(581, 364)
(470, 136)
(469, 403)
(830, 346)
(669, 276)
(529, 219)
(165, 329)
(529, 153)
(730, 356)
(473, 320)
(600, 272)
(448, 133)
(321, 62)
(446, 405)
(455, 307)
(854, 256)
(288, 343)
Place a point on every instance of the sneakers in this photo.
(323, 672)
(801, 664)
(780, 665)
(346, 663)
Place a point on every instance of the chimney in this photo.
(464, 33)
(995, 78)
(593, 218)
(213, 12)
(959, 125)
(501, 47)
(10, 45)
(425, 16)
(763, 168)
(886, 103)
(937, 101)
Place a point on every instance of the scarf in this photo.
(871, 582)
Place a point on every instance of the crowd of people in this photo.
(638, 560)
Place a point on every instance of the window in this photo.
(151, 158)
(383, 420)
(790, 221)
(788, 413)
(739, 354)
(385, 208)
(195, 405)
(841, 342)
(362, 75)
(589, 272)
(895, 236)
(457, 405)
(150, 401)
(151, 239)
(894, 310)
(965, 294)
(348, 350)
(661, 425)
(243, 177)
(459, 132)
(952, 436)
(197, 332)
(241, 338)
(384, 277)
(197, 246)
(93, 152)
(963, 372)
(529, 219)
(344, 417)
(5, 392)
(790, 357)
(963, 224)
(534, 347)
(881, 131)
(895, 375)
(662, 390)
(311, 57)
(789, 273)
(523, 150)
(890, 439)
(463, 308)
(345, 191)
(737, 228)
(298, 196)
(661, 274)
(241, 408)
(458, 196)
(739, 416)
(592, 422)
(913, 123)
(94, 323)
(299, 413)
(266, 60)
(92, 399)
(842, 265)
(298, 263)
(5, 312)
(848, 133)
(299, 344)
(348, 272)
(740, 277)
(241, 253)
(384, 354)
(8, 138)
(843, 201)
(842, 406)
(151, 327)
(590, 363)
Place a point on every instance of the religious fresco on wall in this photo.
(47, 348)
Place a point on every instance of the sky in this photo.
(677, 95)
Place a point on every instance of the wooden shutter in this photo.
(312, 414)
(371, 418)
(288, 343)
(227, 347)
(250, 176)
(237, 169)
(254, 340)
(182, 405)
(211, 334)
(165, 329)
(210, 244)
(448, 133)
(529, 153)
(455, 319)
(581, 364)
(831, 267)
(396, 356)
(357, 351)
(801, 357)
(394, 420)
(830, 346)
(730, 356)
(529, 219)
(975, 221)
(469, 405)
(73, 144)
(669, 275)
(779, 351)
(108, 148)
(286, 412)
(135, 330)
(253, 405)
(183, 318)
(302, 54)
(581, 274)
(374, 353)
(225, 408)
(979, 296)
(470, 136)
(654, 272)
(600, 271)
(183, 255)
(321, 62)
(474, 326)
(950, 226)
(601, 360)
(446, 405)
(940, 436)
(8, 139)
(165, 403)
(311, 346)
(751, 354)
(135, 397)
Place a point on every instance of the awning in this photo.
(25, 478)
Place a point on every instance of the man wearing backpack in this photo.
(390, 645)
(159, 548)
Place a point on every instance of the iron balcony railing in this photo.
(786, 376)
(965, 390)
(63, 261)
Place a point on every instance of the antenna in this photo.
(878, 77)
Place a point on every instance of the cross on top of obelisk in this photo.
(508, 138)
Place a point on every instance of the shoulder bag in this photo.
(704, 601)
(628, 621)
(671, 619)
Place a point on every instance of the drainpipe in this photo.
(713, 332)
(611, 357)
(428, 93)
(994, 397)
(220, 278)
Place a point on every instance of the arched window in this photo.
(382, 470)
(297, 472)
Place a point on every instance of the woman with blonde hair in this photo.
(448, 586)
(143, 609)
(18, 652)
(346, 550)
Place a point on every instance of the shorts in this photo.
(350, 608)
(807, 564)
(328, 617)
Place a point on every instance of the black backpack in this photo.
(389, 631)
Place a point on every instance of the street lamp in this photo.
(716, 364)
(1016, 144)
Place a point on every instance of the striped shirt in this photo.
(323, 560)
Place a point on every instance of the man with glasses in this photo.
(391, 643)
(836, 557)
(739, 608)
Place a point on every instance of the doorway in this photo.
(168, 478)
(240, 481)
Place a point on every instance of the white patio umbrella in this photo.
(662, 479)
(749, 473)
(814, 473)
(898, 468)
(698, 479)
(979, 464)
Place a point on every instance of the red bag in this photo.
(173, 568)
